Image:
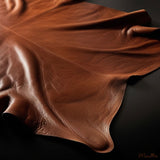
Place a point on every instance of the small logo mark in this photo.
(147, 155)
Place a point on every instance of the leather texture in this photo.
(64, 65)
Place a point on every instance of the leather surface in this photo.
(64, 65)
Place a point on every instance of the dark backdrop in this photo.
(135, 129)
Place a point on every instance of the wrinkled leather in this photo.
(64, 65)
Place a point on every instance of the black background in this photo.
(135, 129)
